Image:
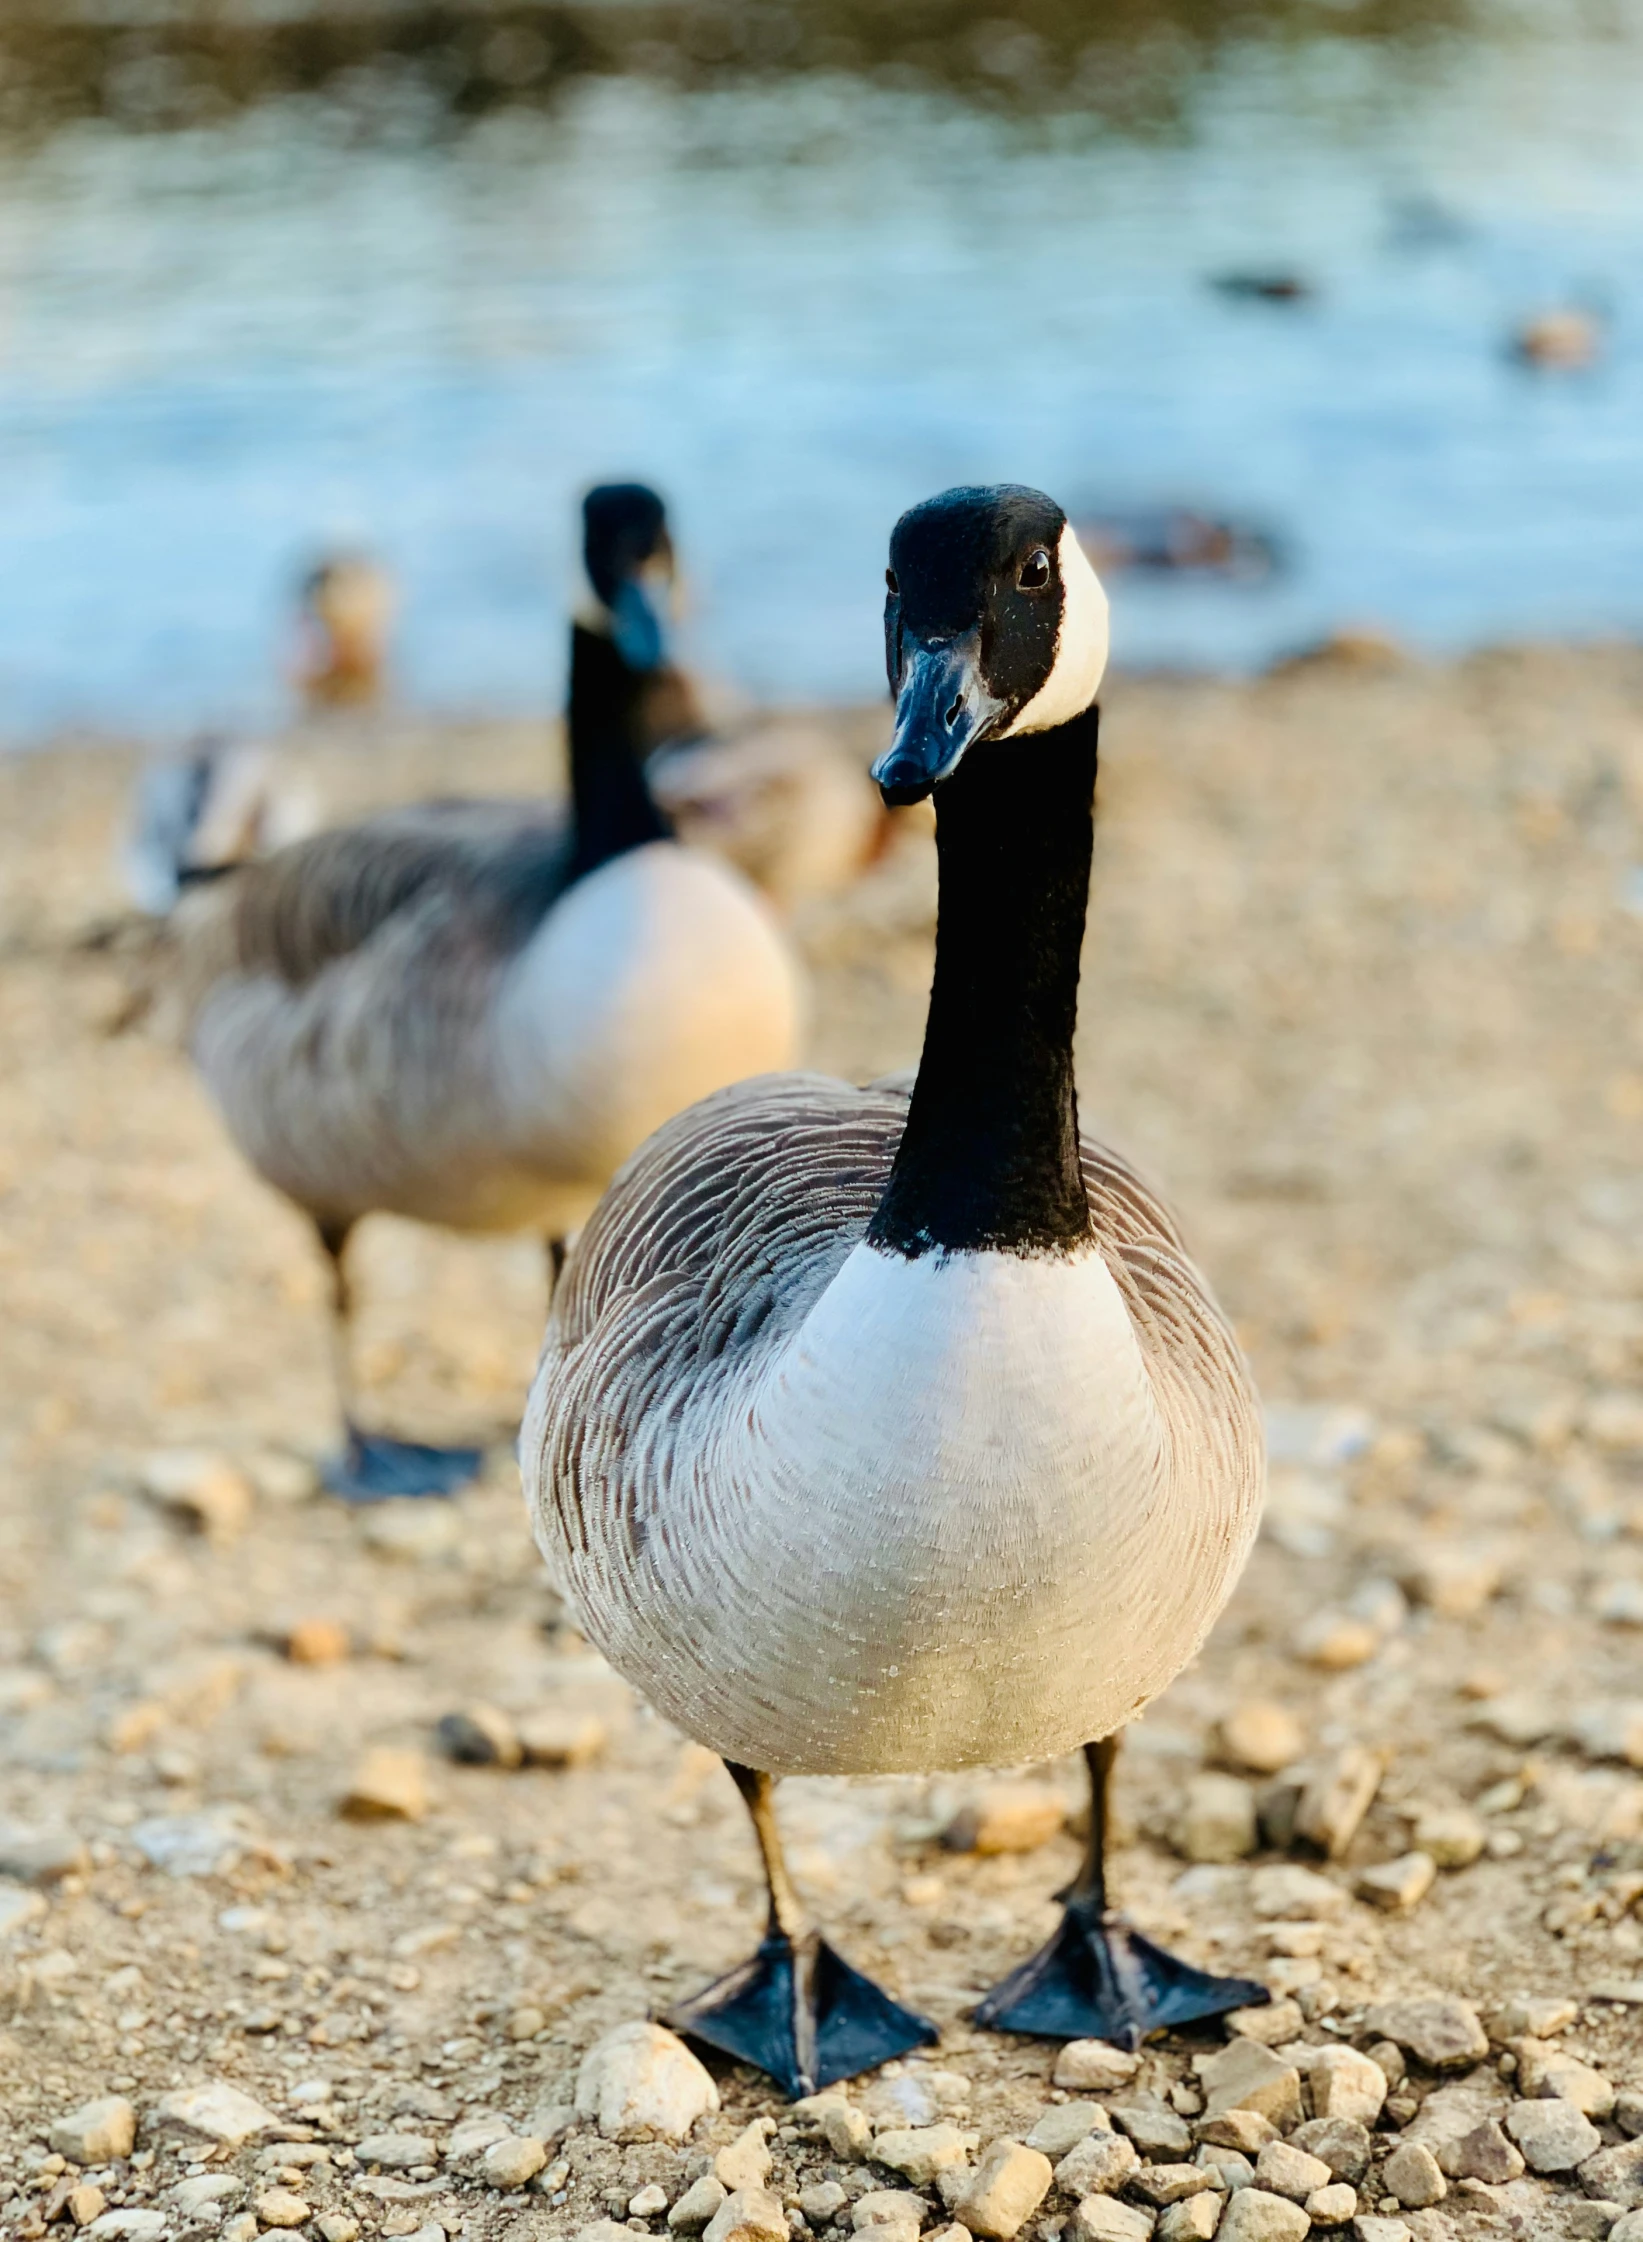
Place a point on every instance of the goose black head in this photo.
(995, 626)
(627, 554)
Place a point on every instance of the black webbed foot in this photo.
(797, 2011)
(1100, 1979)
(374, 1467)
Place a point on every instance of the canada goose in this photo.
(468, 1013)
(347, 612)
(198, 816)
(881, 1433)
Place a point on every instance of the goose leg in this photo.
(1098, 1978)
(796, 2009)
(373, 1465)
(556, 1250)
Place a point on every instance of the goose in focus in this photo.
(882, 1433)
(470, 1012)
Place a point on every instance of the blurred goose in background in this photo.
(471, 1012)
(347, 614)
(882, 1433)
(198, 816)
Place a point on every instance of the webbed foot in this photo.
(1098, 1978)
(797, 2011)
(374, 1467)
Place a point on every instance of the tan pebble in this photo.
(1243, 2131)
(846, 2132)
(1336, 1798)
(882, 2207)
(1246, 2076)
(318, 1642)
(1217, 1819)
(100, 2132)
(1535, 2016)
(561, 1739)
(212, 2111)
(1262, 1736)
(1346, 2084)
(1254, 2215)
(1285, 1889)
(1553, 2136)
(201, 1489)
(918, 2153)
(1272, 2023)
(1398, 1885)
(1414, 2177)
(699, 2203)
(280, 2208)
(1064, 2125)
(1483, 2154)
(1335, 1641)
(1439, 2030)
(1295, 1940)
(480, 1736)
(85, 2203)
(242, 2227)
(1004, 2191)
(649, 2203)
(337, 2226)
(1194, 2219)
(524, 2023)
(1007, 1818)
(388, 1784)
(1548, 2073)
(1097, 2166)
(511, 2163)
(749, 2215)
(1163, 2184)
(1102, 2218)
(1333, 2205)
(1094, 2067)
(1285, 2170)
(134, 1727)
(639, 2079)
(746, 2162)
(1453, 1835)
(1454, 1579)
(822, 2202)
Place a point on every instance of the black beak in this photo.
(942, 707)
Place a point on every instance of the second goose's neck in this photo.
(989, 1158)
(614, 809)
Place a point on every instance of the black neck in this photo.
(989, 1157)
(613, 807)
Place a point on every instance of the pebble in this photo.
(1227, 2169)
(649, 2203)
(602, 2230)
(749, 2215)
(18, 1908)
(1262, 1736)
(1346, 2083)
(85, 2203)
(132, 2226)
(821, 2203)
(191, 2197)
(1336, 1641)
(1628, 2228)
(1628, 2111)
(1285, 1890)
(888, 2207)
(1382, 2230)
(1064, 2125)
(1152, 2125)
(1007, 1818)
(1252, 2215)
(513, 2162)
(1098, 2166)
(1398, 1885)
(1616, 2173)
(1101, 2218)
(1336, 1798)
(1245, 2076)
(846, 2131)
(41, 1856)
(1412, 2174)
(397, 2152)
(1387, 2057)
(1453, 1578)
(1453, 1835)
(1004, 2191)
(1300, 1940)
(200, 1490)
(1483, 2154)
(1217, 1820)
(555, 1738)
(640, 2080)
(1094, 2067)
(480, 1736)
(1163, 2184)
(1283, 2170)
(337, 2226)
(412, 1532)
(1342, 2143)
(1244, 2131)
(215, 2112)
(746, 2162)
(1194, 2219)
(918, 2153)
(241, 2228)
(1534, 2016)
(1442, 2031)
(1333, 2205)
(1272, 2024)
(280, 2208)
(318, 1642)
(701, 2201)
(1553, 2136)
(100, 2132)
(389, 1784)
(1548, 2072)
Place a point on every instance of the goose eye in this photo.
(1034, 572)
(890, 584)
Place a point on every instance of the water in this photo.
(798, 302)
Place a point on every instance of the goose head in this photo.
(627, 558)
(995, 626)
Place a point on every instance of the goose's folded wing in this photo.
(500, 864)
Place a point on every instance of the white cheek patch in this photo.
(1080, 648)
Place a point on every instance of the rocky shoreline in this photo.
(337, 1875)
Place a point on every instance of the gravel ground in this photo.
(1362, 990)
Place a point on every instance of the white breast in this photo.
(943, 1523)
(656, 980)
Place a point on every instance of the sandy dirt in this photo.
(1362, 991)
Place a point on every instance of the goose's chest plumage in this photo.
(932, 1512)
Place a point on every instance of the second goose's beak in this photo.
(942, 707)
